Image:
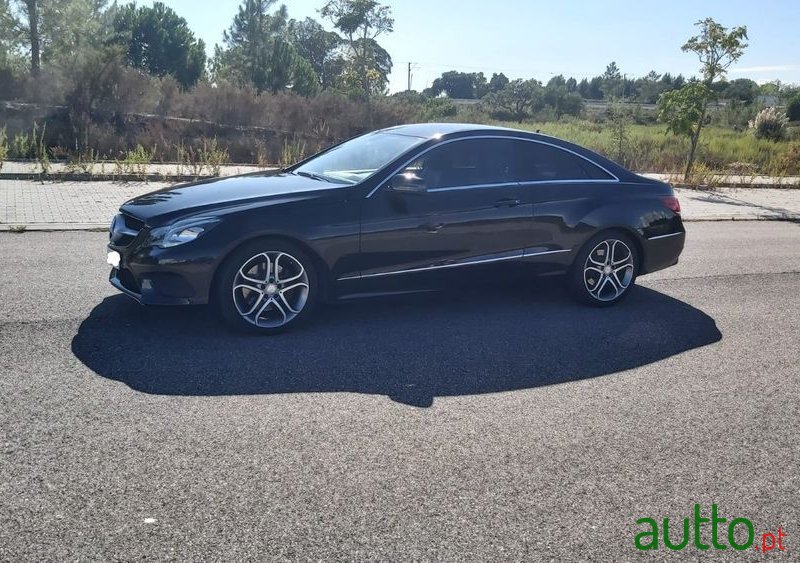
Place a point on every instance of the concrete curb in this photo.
(144, 178)
(31, 227)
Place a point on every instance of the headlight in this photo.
(181, 232)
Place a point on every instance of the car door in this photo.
(563, 188)
(461, 206)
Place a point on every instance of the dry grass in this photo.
(650, 149)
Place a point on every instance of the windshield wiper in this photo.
(312, 176)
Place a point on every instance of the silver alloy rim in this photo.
(608, 270)
(270, 289)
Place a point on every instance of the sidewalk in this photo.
(91, 205)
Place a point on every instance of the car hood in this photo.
(161, 206)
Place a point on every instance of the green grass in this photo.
(650, 149)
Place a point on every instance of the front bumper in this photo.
(144, 292)
(180, 275)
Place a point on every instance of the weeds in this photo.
(212, 156)
(703, 177)
(208, 157)
(3, 147)
(27, 146)
(40, 149)
(19, 229)
(83, 163)
(134, 163)
(649, 149)
(293, 151)
(188, 158)
(21, 146)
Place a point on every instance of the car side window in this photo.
(538, 162)
(464, 163)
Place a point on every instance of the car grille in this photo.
(124, 229)
(128, 281)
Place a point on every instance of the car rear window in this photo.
(539, 162)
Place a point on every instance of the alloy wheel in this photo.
(270, 289)
(609, 270)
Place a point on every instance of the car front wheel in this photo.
(605, 269)
(266, 287)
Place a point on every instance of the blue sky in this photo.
(537, 39)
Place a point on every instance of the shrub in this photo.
(42, 154)
(21, 146)
(769, 124)
(436, 109)
(789, 162)
(213, 156)
(135, 162)
(293, 151)
(3, 147)
(793, 109)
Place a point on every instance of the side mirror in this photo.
(408, 183)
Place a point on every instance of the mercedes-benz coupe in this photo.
(388, 207)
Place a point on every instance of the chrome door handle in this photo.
(435, 228)
(508, 202)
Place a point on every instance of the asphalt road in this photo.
(505, 424)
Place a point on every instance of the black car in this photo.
(388, 207)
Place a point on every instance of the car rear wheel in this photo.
(605, 270)
(266, 287)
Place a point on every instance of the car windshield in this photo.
(357, 159)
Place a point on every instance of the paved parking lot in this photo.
(510, 424)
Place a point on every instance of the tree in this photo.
(560, 99)
(572, 85)
(305, 80)
(717, 48)
(611, 81)
(619, 118)
(378, 68)
(461, 85)
(248, 57)
(59, 32)
(793, 109)
(30, 10)
(159, 41)
(258, 51)
(361, 22)
(498, 82)
(596, 88)
(683, 111)
(649, 88)
(516, 100)
(10, 39)
(741, 90)
(481, 85)
(321, 48)
(583, 89)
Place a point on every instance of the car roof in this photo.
(432, 130)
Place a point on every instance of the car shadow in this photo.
(411, 348)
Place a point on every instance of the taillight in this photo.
(672, 203)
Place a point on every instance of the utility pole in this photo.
(411, 66)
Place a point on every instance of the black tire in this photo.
(237, 289)
(587, 274)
